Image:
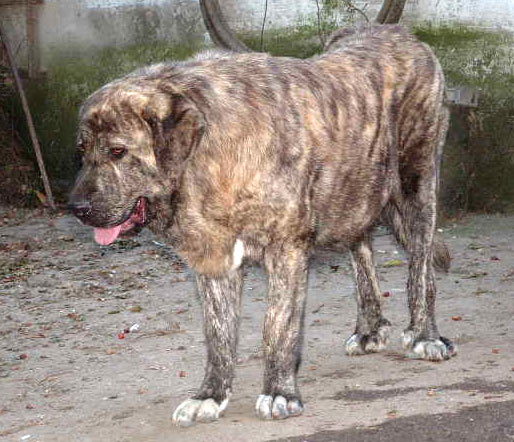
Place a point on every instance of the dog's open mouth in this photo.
(137, 218)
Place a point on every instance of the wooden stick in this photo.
(28, 116)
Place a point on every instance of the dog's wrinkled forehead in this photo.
(97, 134)
(125, 98)
(118, 114)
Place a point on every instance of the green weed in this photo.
(478, 167)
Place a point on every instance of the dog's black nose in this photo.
(81, 209)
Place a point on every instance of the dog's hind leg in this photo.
(221, 298)
(413, 217)
(421, 339)
(372, 329)
(287, 266)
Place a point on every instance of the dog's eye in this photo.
(117, 152)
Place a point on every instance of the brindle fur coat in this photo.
(238, 157)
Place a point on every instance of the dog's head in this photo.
(135, 136)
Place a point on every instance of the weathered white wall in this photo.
(75, 25)
(249, 14)
(494, 14)
(81, 24)
(106, 23)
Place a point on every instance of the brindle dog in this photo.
(236, 157)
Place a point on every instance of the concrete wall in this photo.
(82, 24)
(494, 14)
(69, 26)
(106, 23)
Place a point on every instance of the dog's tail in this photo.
(442, 258)
(398, 219)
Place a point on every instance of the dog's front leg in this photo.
(287, 266)
(221, 298)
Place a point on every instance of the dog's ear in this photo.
(177, 130)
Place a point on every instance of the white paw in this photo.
(279, 408)
(428, 349)
(358, 344)
(196, 410)
(353, 345)
(407, 339)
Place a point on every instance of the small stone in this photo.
(392, 414)
(134, 328)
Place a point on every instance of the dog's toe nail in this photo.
(279, 410)
(263, 406)
(353, 345)
(196, 410)
(209, 411)
(294, 407)
(279, 407)
(185, 414)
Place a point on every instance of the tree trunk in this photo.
(219, 31)
(391, 11)
(222, 36)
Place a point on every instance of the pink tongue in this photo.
(107, 236)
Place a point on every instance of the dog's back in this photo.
(364, 35)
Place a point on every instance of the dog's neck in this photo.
(162, 212)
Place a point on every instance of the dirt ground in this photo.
(69, 371)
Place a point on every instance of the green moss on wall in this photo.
(478, 168)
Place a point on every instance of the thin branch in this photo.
(264, 24)
(320, 33)
(354, 8)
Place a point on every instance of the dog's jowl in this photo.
(238, 157)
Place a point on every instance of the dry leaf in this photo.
(393, 263)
